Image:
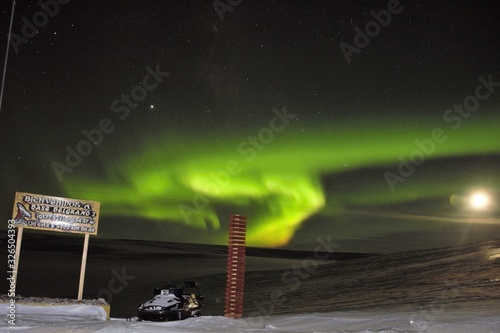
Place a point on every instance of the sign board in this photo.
(44, 212)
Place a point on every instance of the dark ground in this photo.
(277, 281)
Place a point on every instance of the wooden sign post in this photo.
(84, 265)
(35, 211)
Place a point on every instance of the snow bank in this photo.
(52, 301)
(58, 313)
(29, 311)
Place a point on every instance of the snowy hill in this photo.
(439, 290)
(465, 277)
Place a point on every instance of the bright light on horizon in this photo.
(479, 200)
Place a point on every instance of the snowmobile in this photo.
(172, 302)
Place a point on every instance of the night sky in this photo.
(369, 122)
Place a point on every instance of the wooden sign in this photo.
(44, 212)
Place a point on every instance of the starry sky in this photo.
(369, 122)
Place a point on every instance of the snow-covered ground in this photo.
(88, 318)
(437, 290)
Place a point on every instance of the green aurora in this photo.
(276, 177)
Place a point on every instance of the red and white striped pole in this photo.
(235, 278)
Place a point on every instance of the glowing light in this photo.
(479, 200)
(192, 180)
